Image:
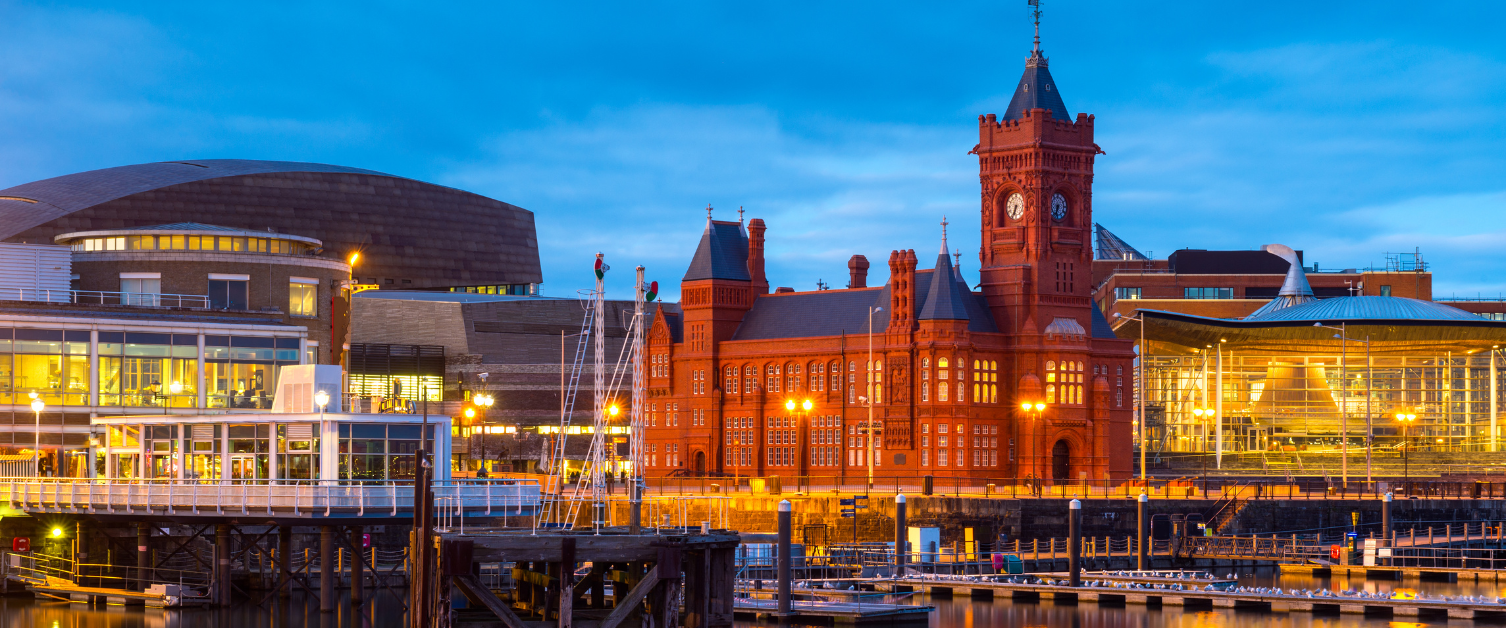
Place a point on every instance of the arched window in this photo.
(1050, 393)
(731, 380)
(816, 379)
(772, 378)
(941, 391)
(836, 376)
(925, 391)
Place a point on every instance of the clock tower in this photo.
(1035, 167)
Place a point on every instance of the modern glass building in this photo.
(1310, 374)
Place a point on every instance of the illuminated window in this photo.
(302, 296)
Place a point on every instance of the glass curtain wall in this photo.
(379, 452)
(241, 372)
(1297, 402)
(50, 362)
(148, 370)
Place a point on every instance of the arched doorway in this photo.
(700, 463)
(1061, 461)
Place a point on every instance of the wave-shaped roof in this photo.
(1369, 308)
(412, 234)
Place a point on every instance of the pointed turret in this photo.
(1036, 90)
(722, 253)
(944, 299)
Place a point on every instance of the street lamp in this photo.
(1140, 392)
(1032, 409)
(1406, 419)
(36, 448)
(1203, 416)
(801, 433)
(1344, 341)
(871, 397)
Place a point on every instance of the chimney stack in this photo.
(755, 256)
(857, 269)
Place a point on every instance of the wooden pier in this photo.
(980, 589)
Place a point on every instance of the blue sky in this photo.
(1347, 130)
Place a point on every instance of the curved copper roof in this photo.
(429, 235)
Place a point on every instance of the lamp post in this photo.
(1203, 416)
(1140, 392)
(1344, 339)
(801, 451)
(1032, 410)
(36, 448)
(484, 402)
(1406, 419)
(871, 398)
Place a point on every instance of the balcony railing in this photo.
(492, 498)
(96, 297)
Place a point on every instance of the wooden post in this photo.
(143, 554)
(222, 564)
(357, 566)
(567, 580)
(284, 554)
(327, 569)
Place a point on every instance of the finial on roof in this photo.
(739, 213)
(1036, 12)
(708, 211)
(957, 256)
(944, 223)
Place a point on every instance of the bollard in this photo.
(901, 536)
(1141, 541)
(927, 483)
(1074, 542)
(784, 558)
(1386, 517)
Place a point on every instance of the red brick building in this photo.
(949, 367)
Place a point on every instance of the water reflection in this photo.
(384, 611)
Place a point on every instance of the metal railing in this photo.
(97, 297)
(1230, 489)
(498, 497)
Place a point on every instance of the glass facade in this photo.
(182, 242)
(1284, 402)
(379, 451)
(140, 370)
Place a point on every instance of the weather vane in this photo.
(1036, 13)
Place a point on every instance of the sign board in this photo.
(848, 513)
(1369, 556)
(20, 544)
(365, 541)
(849, 502)
(1333, 552)
(1384, 552)
(861, 501)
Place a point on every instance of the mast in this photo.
(635, 432)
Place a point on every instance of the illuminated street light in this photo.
(36, 450)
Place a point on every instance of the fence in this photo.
(500, 497)
(1242, 488)
(96, 297)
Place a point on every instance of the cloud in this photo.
(635, 182)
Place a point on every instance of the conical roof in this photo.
(944, 298)
(1036, 90)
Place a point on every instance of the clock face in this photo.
(1015, 206)
(1058, 207)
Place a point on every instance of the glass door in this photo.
(243, 467)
